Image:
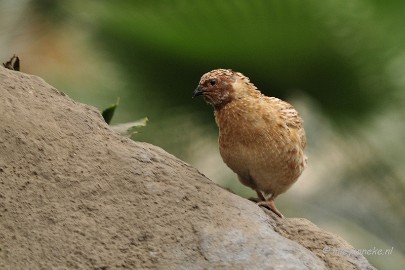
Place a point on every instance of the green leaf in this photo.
(109, 112)
(129, 129)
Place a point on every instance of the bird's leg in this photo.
(260, 195)
(268, 203)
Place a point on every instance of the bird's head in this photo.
(221, 86)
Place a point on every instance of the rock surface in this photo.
(75, 195)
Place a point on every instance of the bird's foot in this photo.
(271, 206)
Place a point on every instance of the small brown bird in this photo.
(260, 138)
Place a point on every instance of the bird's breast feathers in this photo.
(251, 121)
(257, 133)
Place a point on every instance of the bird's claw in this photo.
(271, 206)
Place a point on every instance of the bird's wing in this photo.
(291, 117)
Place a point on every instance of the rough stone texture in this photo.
(332, 249)
(75, 195)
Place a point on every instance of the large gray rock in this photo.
(75, 195)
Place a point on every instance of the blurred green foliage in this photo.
(335, 51)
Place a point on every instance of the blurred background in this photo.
(340, 63)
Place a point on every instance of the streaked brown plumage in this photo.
(260, 138)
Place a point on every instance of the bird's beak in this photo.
(198, 91)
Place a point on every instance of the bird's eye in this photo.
(213, 82)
